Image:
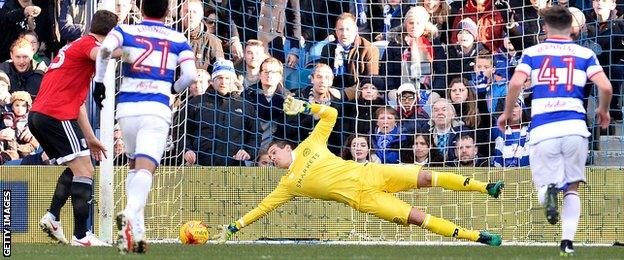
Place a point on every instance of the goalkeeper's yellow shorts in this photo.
(379, 182)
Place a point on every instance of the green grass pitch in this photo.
(319, 251)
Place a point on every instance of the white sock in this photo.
(570, 215)
(129, 178)
(137, 191)
(139, 231)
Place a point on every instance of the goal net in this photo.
(472, 77)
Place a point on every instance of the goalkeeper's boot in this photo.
(125, 241)
(88, 241)
(53, 228)
(494, 189)
(489, 238)
(552, 213)
(566, 248)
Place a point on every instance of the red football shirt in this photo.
(65, 85)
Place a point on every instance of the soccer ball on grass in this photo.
(194, 232)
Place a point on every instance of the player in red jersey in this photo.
(58, 120)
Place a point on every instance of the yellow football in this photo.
(194, 232)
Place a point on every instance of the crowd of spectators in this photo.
(414, 81)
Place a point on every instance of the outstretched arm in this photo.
(327, 114)
(278, 197)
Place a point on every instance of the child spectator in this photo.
(464, 100)
(387, 138)
(363, 109)
(490, 23)
(506, 59)
(263, 159)
(490, 87)
(463, 51)
(512, 146)
(16, 141)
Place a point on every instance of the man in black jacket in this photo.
(22, 72)
(222, 132)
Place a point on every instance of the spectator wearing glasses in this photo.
(268, 96)
(413, 117)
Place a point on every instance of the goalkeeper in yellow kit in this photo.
(313, 171)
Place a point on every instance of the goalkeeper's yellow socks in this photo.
(448, 229)
(451, 181)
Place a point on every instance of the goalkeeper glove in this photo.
(225, 233)
(293, 106)
(99, 94)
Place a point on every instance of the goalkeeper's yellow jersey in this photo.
(315, 172)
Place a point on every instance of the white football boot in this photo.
(88, 241)
(53, 228)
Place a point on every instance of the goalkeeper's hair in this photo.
(282, 143)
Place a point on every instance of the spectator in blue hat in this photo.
(222, 130)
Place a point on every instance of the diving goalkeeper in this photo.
(313, 171)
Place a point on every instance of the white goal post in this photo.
(106, 206)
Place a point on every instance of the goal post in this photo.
(106, 206)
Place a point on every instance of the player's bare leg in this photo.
(458, 182)
(449, 229)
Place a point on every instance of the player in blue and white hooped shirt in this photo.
(558, 70)
(152, 51)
